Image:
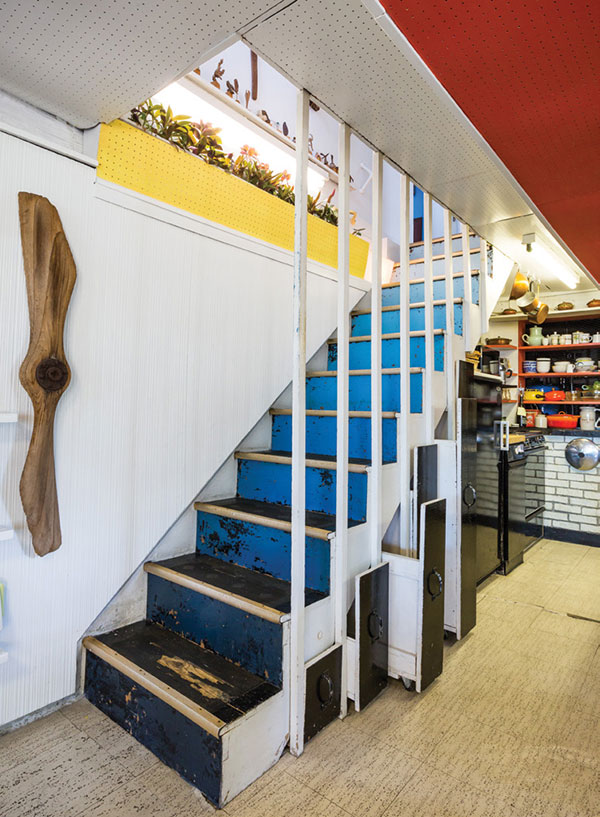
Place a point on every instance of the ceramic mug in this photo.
(584, 337)
(596, 338)
(545, 341)
(554, 339)
(566, 340)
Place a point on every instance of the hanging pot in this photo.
(538, 313)
(520, 286)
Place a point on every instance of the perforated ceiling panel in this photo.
(90, 62)
(528, 77)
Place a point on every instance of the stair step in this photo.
(390, 415)
(267, 514)
(355, 465)
(416, 305)
(440, 257)
(205, 687)
(351, 372)
(422, 280)
(390, 336)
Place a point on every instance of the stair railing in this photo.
(467, 286)
(298, 513)
(403, 454)
(483, 282)
(375, 510)
(449, 345)
(343, 393)
(429, 401)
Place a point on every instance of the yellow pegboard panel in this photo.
(131, 158)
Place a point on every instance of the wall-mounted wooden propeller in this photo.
(50, 276)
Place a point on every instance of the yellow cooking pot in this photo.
(533, 394)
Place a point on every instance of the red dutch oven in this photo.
(562, 420)
(555, 395)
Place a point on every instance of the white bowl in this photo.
(543, 364)
(560, 365)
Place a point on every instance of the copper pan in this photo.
(520, 286)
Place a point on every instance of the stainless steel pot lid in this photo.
(582, 454)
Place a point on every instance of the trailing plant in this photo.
(209, 147)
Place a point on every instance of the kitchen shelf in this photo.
(559, 374)
(556, 314)
(563, 402)
(499, 346)
(510, 401)
(558, 347)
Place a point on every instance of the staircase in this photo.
(203, 681)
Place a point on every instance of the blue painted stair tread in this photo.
(390, 295)
(390, 320)
(249, 641)
(271, 482)
(249, 584)
(210, 681)
(321, 435)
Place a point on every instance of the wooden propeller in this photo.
(50, 276)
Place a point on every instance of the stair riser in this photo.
(390, 296)
(248, 640)
(321, 392)
(272, 482)
(175, 740)
(259, 547)
(360, 354)
(390, 321)
(321, 436)
(417, 270)
(438, 247)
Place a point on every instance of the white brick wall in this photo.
(572, 497)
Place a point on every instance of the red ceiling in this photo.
(527, 74)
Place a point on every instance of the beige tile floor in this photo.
(511, 729)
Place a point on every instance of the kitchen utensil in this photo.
(596, 337)
(560, 365)
(570, 367)
(564, 306)
(593, 303)
(538, 311)
(525, 301)
(566, 340)
(534, 338)
(494, 367)
(555, 395)
(584, 337)
(563, 420)
(545, 341)
(498, 341)
(543, 364)
(584, 364)
(582, 454)
(509, 311)
(533, 394)
(570, 395)
(520, 286)
(554, 339)
(596, 385)
(541, 421)
(529, 366)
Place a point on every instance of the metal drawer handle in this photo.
(436, 574)
(470, 487)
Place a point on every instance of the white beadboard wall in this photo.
(178, 341)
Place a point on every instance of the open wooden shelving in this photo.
(556, 347)
(562, 402)
(499, 346)
(560, 374)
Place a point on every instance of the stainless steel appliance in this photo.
(521, 498)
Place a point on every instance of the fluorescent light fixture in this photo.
(550, 264)
(234, 134)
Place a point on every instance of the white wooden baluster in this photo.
(449, 346)
(375, 532)
(483, 282)
(343, 322)
(404, 453)
(468, 289)
(297, 681)
(429, 402)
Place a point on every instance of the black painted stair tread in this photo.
(355, 464)
(223, 690)
(258, 588)
(318, 525)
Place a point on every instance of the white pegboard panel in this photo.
(90, 62)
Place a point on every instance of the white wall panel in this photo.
(178, 344)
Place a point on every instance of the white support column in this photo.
(404, 452)
(297, 682)
(375, 532)
(483, 283)
(449, 346)
(468, 289)
(428, 403)
(343, 322)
